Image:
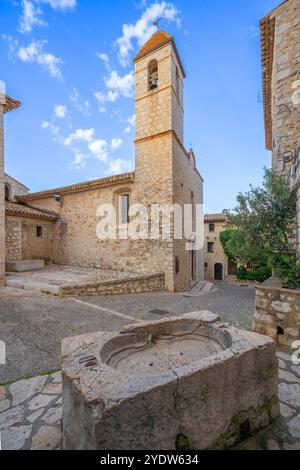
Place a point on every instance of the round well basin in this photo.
(156, 355)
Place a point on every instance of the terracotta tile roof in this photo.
(159, 39)
(19, 210)
(209, 218)
(10, 104)
(76, 188)
(267, 36)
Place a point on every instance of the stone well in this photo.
(181, 382)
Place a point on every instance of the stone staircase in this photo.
(200, 288)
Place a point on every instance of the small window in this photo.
(210, 247)
(7, 192)
(124, 208)
(176, 264)
(211, 227)
(205, 265)
(39, 231)
(152, 75)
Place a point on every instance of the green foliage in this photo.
(288, 268)
(262, 226)
(259, 274)
(225, 238)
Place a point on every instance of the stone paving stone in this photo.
(40, 401)
(286, 411)
(34, 416)
(47, 438)
(11, 416)
(56, 377)
(290, 394)
(54, 388)
(294, 426)
(288, 377)
(2, 393)
(296, 369)
(14, 437)
(4, 405)
(281, 364)
(53, 415)
(284, 356)
(24, 389)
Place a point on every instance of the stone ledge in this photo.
(134, 284)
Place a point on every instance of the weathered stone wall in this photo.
(277, 314)
(286, 71)
(2, 205)
(186, 181)
(16, 188)
(34, 247)
(13, 239)
(218, 256)
(134, 285)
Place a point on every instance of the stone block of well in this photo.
(181, 382)
(25, 265)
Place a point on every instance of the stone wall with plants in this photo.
(277, 314)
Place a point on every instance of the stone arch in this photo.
(152, 74)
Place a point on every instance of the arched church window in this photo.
(152, 75)
(7, 192)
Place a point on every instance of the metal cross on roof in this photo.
(156, 23)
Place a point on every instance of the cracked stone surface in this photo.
(32, 419)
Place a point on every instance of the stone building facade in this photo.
(217, 266)
(6, 104)
(165, 173)
(280, 42)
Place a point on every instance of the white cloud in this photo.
(124, 86)
(131, 120)
(104, 57)
(116, 144)
(60, 111)
(127, 130)
(118, 166)
(83, 107)
(143, 29)
(35, 53)
(99, 149)
(79, 160)
(31, 16)
(85, 135)
(117, 86)
(60, 4)
(31, 12)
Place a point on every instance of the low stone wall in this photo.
(132, 285)
(277, 314)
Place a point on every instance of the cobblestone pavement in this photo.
(30, 413)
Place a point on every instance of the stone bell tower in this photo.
(163, 167)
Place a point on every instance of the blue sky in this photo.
(69, 63)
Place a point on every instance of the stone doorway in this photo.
(218, 272)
